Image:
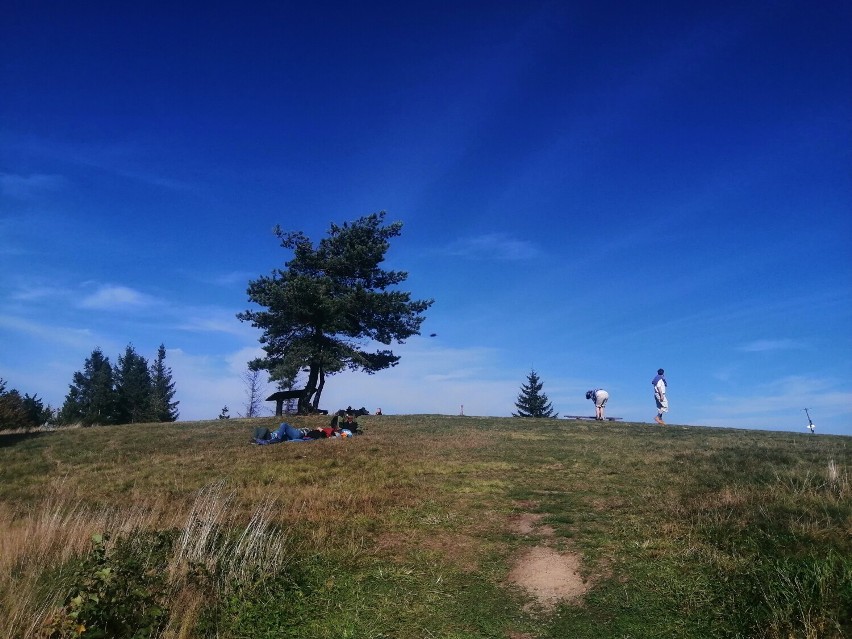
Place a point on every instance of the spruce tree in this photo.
(163, 391)
(133, 388)
(91, 396)
(532, 402)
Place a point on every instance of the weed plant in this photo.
(405, 531)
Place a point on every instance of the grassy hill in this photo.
(419, 528)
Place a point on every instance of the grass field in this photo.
(412, 531)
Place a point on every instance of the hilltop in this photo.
(429, 526)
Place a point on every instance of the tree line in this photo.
(22, 411)
(130, 392)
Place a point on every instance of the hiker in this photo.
(660, 384)
(599, 396)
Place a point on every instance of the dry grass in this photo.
(50, 533)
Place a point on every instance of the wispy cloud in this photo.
(232, 278)
(214, 321)
(763, 345)
(117, 298)
(25, 187)
(35, 293)
(122, 158)
(493, 246)
(787, 395)
(49, 333)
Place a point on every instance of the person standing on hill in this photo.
(599, 396)
(659, 383)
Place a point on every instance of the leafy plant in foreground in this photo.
(117, 594)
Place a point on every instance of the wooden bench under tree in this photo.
(282, 396)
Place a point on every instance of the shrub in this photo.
(117, 593)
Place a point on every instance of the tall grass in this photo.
(55, 533)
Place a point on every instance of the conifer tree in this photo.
(133, 388)
(331, 303)
(12, 412)
(532, 402)
(91, 396)
(163, 391)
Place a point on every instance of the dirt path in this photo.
(550, 577)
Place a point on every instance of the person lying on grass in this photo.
(288, 433)
(346, 422)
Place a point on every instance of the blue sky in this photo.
(590, 189)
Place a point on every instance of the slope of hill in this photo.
(426, 526)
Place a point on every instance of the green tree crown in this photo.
(329, 303)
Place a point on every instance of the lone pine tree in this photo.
(330, 305)
(532, 402)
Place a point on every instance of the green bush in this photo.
(118, 593)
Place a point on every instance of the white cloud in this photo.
(238, 361)
(204, 384)
(116, 298)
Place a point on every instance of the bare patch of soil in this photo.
(549, 576)
(530, 524)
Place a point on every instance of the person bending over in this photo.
(599, 396)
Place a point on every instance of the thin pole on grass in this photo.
(811, 425)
